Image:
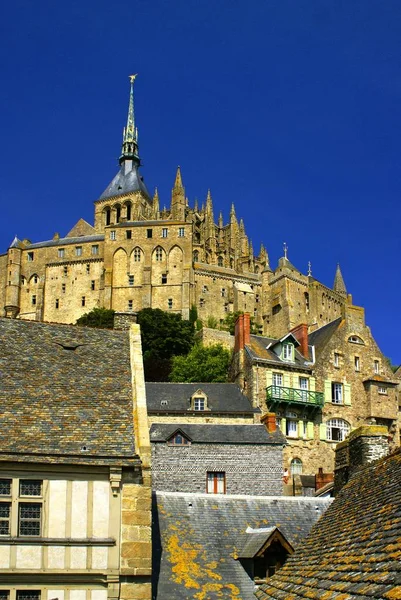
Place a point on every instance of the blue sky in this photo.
(288, 108)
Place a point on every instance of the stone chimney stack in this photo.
(362, 447)
(269, 421)
(242, 331)
(300, 332)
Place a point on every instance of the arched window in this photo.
(196, 256)
(296, 467)
(159, 254)
(220, 261)
(107, 215)
(355, 339)
(128, 210)
(337, 430)
(117, 208)
(137, 254)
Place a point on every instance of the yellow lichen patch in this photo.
(185, 569)
(219, 588)
(394, 594)
(212, 565)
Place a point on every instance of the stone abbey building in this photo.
(136, 255)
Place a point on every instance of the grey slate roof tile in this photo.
(196, 539)
(55, 401)
(354, 552)
(221, 397)
(210, 433)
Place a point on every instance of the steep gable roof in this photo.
(354, 551)
(320, 337)
(65, 394)
(197, 539)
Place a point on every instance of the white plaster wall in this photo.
(101, 495)
(79, 509)
(55, 557)
(78, 557)
(53, 594)
(57, 508)
(77, 594)
(4, 557)
(99, 595)
(29, 557)
(99, 558)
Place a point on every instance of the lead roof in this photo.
(65, 394)
(197, 538)
(126, 182)
(354, 551)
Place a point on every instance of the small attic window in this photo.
(164, 403)
(198, 401)
(354, 339)
(288, 352)
(178, 440)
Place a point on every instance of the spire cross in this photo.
(285, 249)
(309, 268)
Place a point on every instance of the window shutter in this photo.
(310, 430)
(323, 431)
(347, 394)
(327, 390)
(269, 378)
(286, 380)
(300, 429)
(284, 426)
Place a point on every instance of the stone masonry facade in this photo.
(137, 255)
(249, 469)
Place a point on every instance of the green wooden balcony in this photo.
(276, 395)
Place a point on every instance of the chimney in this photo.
(242, 331)
(269, 421)
(322, 479)
(300, 332)
(362, 447)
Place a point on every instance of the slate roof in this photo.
(65, 394)
(209, 433)
(125, 182)
(258, 349)
(254, 541)
(197, 537)
(320, 337)
(66, 240)
(221, 397)
(354, 552)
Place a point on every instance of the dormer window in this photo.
(355, 339)
(288, 352)
(178, 439)
(198, 401)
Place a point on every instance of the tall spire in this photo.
(339, 285)
(129, 150)
(178, 179)
(178, 201)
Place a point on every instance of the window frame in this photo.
(276, 376)
(113, 235)
(78, 250)
(216, 482)
(164, 232)
(337, 392)
(181, 232)
(341, 425)
(60, 252)
(287, 352)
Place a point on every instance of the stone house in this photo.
(321, 385)
(214, 546)
(222, 403)
(217, 459)
(138, 255)
(354, 550)
(75, 485)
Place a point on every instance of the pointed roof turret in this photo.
(15, 243)
(128, 179)
(130, 133)
(232, 211)
(178, 179)
(209, 203)
(339, 285)
(221, 222)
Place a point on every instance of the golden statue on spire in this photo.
(132, 77)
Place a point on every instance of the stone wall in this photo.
(209, 337)
(250, 469)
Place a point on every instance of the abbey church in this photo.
(136, 255)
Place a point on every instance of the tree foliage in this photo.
(102, 318)
(230, 319)
(208, 364)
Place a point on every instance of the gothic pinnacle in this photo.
(221, 222)
(129, 148)
(178, 179)
(339, 285)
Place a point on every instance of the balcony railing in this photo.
(276, 394)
